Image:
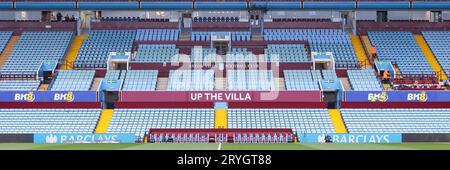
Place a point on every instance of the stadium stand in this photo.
(95, 50)
(139, 121)
(286, 53)
(7, 85)
(300, 120)
(35, 47)
(191, 80)
(438, 42)
(302, 79)
(4, 38)
(157, 53)
(250, 80)
(29, 121)
(364, 80)
(401, 49)
(73, 80)
(397, 120)
(115, 75)
(320, 40)
(240, 55)
(235, 36)
(205, 55)
(157, 35)
(140, 80)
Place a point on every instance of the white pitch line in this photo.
(220, 144)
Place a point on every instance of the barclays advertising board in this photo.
(397, 96)
(48, 96)
(352, 138)
(84, 138)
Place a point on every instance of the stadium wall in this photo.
(50, 105)
(16, 138)
(381, 105)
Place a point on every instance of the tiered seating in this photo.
(216, 19)
(157, 53)
(191, 80)
(397, 120)
(401, 49)
(94, 51)
(364, 80)
(139, 121)
(35, 47)
(4, 38)
(320, 40)
(300, 120)
(286, 53)
(73, 80)
(250, 80)
(140, 80)
(206, 55)
(157, 35)
(240, 55)
(115, 75)
(329, 75)
(30, 121)
(7, 85)
(235, 36)
(438, 43)
(302, 80)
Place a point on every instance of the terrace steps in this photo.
(220, 83)
(8, 50)
(346, 83)
(430, 57)
(73, 52)
(103, 122)
(279, 84)
(162, 84)
(367, 45)
(221, 118)
(338, 122)
(360, 52)
(43, 87)
(96, 83)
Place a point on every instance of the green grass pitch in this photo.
(226, 146)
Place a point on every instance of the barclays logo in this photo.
(51, 139)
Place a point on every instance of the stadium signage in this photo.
(397, 96)
(48, 96)
(352, 138)
(221, 96)
(84, 138)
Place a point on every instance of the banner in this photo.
(397, 96)
(351, 138)
(48, 96)
(84, 138)
(221, 96)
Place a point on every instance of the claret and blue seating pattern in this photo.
(397, 120)
(286, 53)
(401, 49)
(300, 120)
(96, 49)
(35, 47)
(250, 80)
(364, 80)
(320, 40)
(73, 80)
(29, 121)
(4, 38)
(157, 53)
(191, 80)
(438, 42)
